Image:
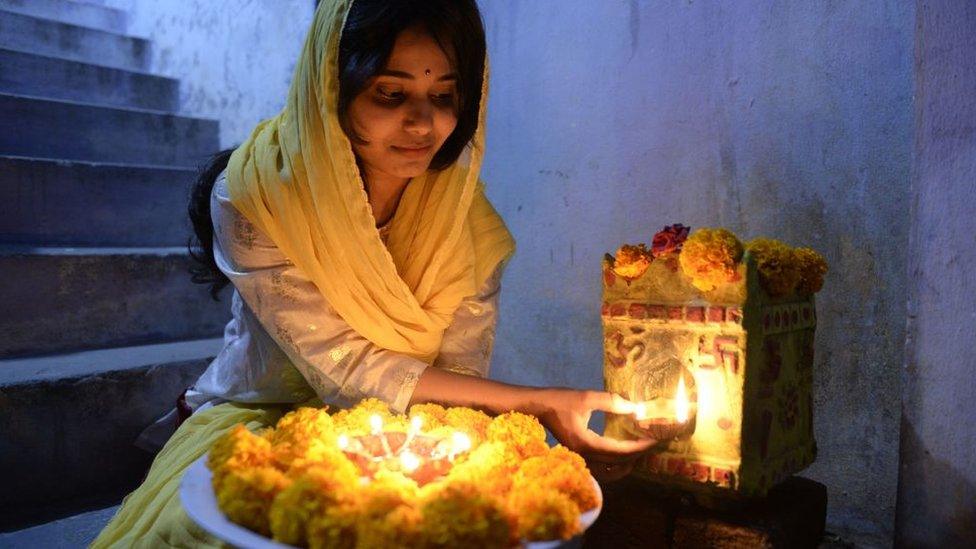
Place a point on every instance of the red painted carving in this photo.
(695, 314)
(608, 277)
(657, 311)
(605, 309)
(716, 314)
(771, 369)
(674, 313)
(637, 310)
(618, 309)
(724, 423)
(722, 477)
(734, 314)
(724, 352)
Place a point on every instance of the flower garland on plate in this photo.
(296, 484)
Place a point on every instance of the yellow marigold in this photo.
(542, 514)
(335, 526)
(473, 422)
(710, 257)
(301, 435)
(554, 472)
(238, 449)
(388, 513)
(457, 514)
(355, 421)
(522, 433)
(778, 270)
(246, 495)
(489, 466)
(433, 415)
(564, 454)
(813, 268)
(308, 496)
(631, 261)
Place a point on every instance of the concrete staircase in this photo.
(101, 326)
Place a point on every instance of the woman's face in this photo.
(407, 111)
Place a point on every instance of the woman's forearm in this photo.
(452, 389)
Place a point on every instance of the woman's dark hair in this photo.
(370, 31)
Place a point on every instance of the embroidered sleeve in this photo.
(338, 363)
(469, 340)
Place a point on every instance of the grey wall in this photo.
(610, 119)
(937, 489)
(234, 57)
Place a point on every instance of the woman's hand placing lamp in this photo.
(565, 412)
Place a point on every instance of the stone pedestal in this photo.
(637, 514)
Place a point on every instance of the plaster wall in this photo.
(608, 120)
(937, 488)
(234, 58)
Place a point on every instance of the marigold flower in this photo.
(556, 473)
(457, 514)
(778, 270)
(309, 495)
(238, 449)
(710, 257)
(812, 267)
(631, 261)
(245, 495)
(522, 433)
(434, 415)
(543, 514)
(669, 240)
(473, 422)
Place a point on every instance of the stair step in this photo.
(48, 128)
(60, 299)
(73, 419)
(55, 78)
(73, 13)
(54, 38)
(66, 203)
(67, 533)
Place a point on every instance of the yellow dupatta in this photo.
(296, 179)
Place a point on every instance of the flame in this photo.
(342, 442)
(409, 461)
(376, 422)
(416, 422)
(460, 442)
(681, 402)
(640, 411)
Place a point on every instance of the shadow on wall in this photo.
(923, 501)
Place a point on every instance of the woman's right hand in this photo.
(566, 413)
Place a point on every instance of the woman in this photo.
(364, 255)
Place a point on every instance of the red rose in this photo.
(669, 240)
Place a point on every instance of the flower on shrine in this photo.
(779, 272)
(710, 257)
(812, 267)
(631, 261)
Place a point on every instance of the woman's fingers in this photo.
(614, 447)
(609, 402)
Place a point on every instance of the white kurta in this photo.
(286, 344)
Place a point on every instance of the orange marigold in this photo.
(522, 433)
(778, 270)
(246, 495)
(308, 496)
(238, 449)
(812, 267)
(554, 472)
(542, 514)
(457, 514)
(631, 261)
(710, 257)
(473, 422)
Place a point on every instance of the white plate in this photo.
(200, 503)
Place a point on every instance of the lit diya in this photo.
(666, 418)
(422, 457)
